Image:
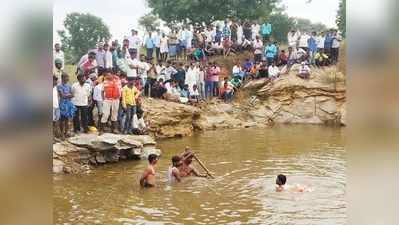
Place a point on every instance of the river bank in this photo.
(260, 103)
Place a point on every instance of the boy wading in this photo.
(111, 94)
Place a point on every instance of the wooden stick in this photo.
(203, 166)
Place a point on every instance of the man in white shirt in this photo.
(258, 46)
(293, 37)
(157, 42)
(303, 41)
(135, 42)
(132, 64)
(98, 100)
(273, 70)
(81, 92)
(255, 30)
(108, 57)
(58, 54)
(304, 71)
(320, 41)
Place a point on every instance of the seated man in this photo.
(304, 71)
(274, 71)
(236, 82)
(282, 59)
(184, 94)
(194, 95)
(321, 59)
(226, 92)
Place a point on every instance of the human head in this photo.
(134, 32)
(93, 76)
(176, 161)
(81, 79)
(281, 179)
(91, 56)
(152, 159)
(57, 47)
(106, 46)
(290, 49)
(314, 33)
(195, 87)
(64, 78)
(108, 74)
(130, 81)
(257, 37)
(133, 53)
(100, 45)
(58, 63)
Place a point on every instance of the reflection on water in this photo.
(244, 162)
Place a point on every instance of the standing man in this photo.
(312, 47)
(226, 31)
(293, 37)
(258, 47)
(328, 41)
(157, 42)
(270, 53)
(149, 45)
(108, 64)
(81, 92)
(100, 58)
(57, 70)
(135, 42)
(265, 31)
(58, 54)
(335, 47)
(111, 94)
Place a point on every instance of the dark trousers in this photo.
(149, 53)
(215, 88)
(130, 112)
(80, 118)
(158, 54)
(90, 119)
(334, 55)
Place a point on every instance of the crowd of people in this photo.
(113, 78)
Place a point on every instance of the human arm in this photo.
(144, 176)
(176, 174)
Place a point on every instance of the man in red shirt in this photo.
(111, 92)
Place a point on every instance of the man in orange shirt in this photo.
(111, 94)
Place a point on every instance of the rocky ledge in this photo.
(79, 153)
(259, 103)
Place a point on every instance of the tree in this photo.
(149, 22)
(281, 24)
(341, 17)
(83, 32)
(208, 11)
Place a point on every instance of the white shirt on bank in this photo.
(108, 59)
(81, 94)
(134, 41)
(303, 41)
(133, 62)
(320, 41)
(273, 71)
(97, 93)
(55, 98)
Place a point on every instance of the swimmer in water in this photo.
(173, 172)
(280, 185)
(148, 177)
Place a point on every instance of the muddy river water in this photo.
(245, 163)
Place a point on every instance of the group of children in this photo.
(181, 166)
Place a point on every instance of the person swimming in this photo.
(173, 172)
(281, 185)
(148, 177)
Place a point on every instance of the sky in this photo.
(122, 15)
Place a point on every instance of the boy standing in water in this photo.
(173, 172)
(148, 177)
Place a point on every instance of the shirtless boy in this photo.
(174, 173)
(282, 179)
(148, 177)
(186, 169)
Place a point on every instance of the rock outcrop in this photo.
(287, 99)
(79, 153)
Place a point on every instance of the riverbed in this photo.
(245, 163)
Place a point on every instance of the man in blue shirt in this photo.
(312, 47)
(328, 43)
(270, 53)
(265, 31)
(149, 45)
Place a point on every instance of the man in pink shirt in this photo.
(215, 71)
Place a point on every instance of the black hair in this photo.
(152, 158)
(55, 78)
(175, 159)
(281, 179)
